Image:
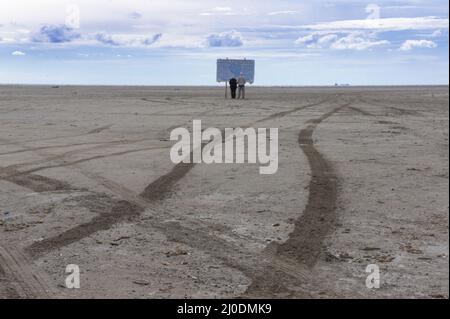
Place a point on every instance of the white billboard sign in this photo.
(231, 68)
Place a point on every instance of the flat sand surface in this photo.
(86, 179)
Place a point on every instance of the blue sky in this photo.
(174, 42)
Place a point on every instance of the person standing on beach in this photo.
(241, 86)
(233, 87)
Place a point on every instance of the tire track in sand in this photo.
(93, 131)
(130, 208)
(22, 279)
(274, 270)
(304, 245)
(82, 160)
(25, 280)
(164, 184)
(31, 149)
(318, 218)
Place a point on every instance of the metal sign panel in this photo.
(229, 68)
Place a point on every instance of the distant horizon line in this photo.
(222, 86)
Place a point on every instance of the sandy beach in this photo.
(86, 179)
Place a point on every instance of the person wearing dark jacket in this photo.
(233, 87)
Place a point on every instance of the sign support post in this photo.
(226, 90)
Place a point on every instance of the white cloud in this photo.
(18, 53)
(135, 15)
(276, 13)
(225, 39)
(327, 39)
(222, 9)
(127, 40)
(183, 41)
(55, 34)
(386, 24)
(436, 33)
(322, 41)
(411, 44)
(357, 41)
(135, 22)
(305, 39)
(106, 39)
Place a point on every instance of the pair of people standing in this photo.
(238, 84)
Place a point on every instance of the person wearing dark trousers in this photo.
(233, 87)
